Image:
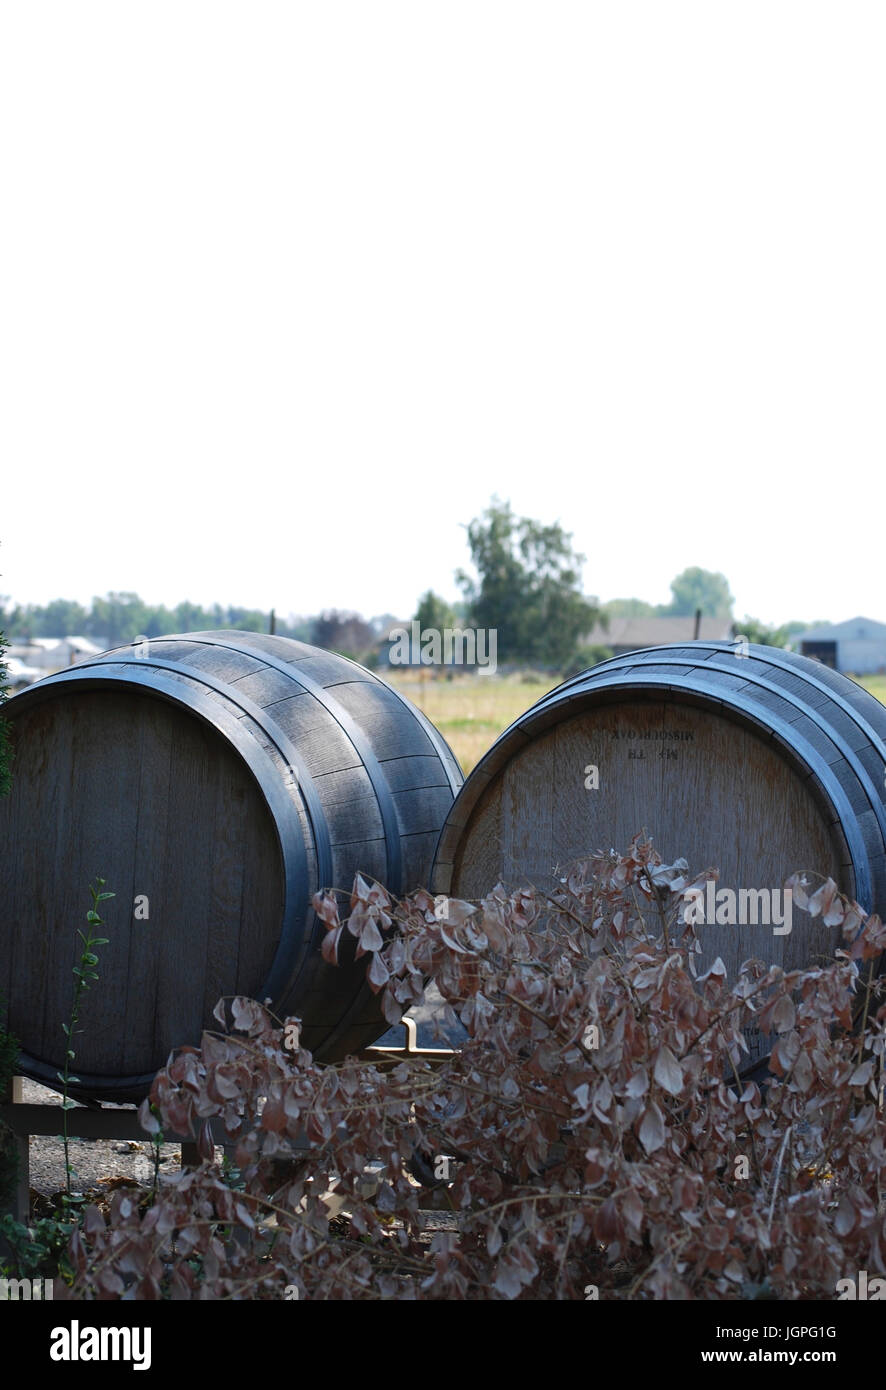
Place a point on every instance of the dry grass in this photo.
(876, 685)
(471, 711)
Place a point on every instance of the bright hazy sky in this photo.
(290, 290)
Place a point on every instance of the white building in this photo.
(856, 647)
(19, 675)
(44, 655)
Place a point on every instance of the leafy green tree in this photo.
(160, 621)
(528, 587)
(18, 622)
(247, 619)
(188, 617)
(698, 588)
(755, 631)
(60, 618)
(585, 657)
(435, 612)
(629, 608)
(297, 628)
(118, 618)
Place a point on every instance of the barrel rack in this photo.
(90, 1120)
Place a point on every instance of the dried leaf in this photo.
(651, 1132)
(668, 1073)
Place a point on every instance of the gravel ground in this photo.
(102, 1164)
(96, 1161)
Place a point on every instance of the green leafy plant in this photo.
(84, 974)
(9, 1048)
(39, 1248)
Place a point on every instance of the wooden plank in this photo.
(479, 858)
(265, 686)
(402, 774)
(422, 809)
(344, 785)
(418, 857)
(221, 662)
(385, 719)
(181, 932)
(141, 1049)
(354, 820)
(19, 1204)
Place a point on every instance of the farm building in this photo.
(45, 655)
(857, 646)
(19, 674)
(632, 634)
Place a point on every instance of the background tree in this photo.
(755, 631)
(528, 588)
(698, 588)
(60, 618)
(629, 608)
(247, 619)
(435, 612)
(343, 632)
(117, 618)
(584, 658)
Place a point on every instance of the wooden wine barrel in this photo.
(758, 765)
(215, 780)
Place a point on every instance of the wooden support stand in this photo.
(20, 1199)
(117, 1122)
(84, 1122)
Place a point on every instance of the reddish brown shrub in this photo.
(603, 1136)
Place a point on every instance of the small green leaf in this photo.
(92, 916)
(102, 896)
(101, 941)
(90, 958)
(65, 1029)
(69, 1104)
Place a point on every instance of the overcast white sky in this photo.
(290, 290)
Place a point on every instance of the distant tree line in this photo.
(527, 587)
(118, 618)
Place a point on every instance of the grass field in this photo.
(471, 711)
(876, 685)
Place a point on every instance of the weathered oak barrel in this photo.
(215, 780)
(745, 758)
